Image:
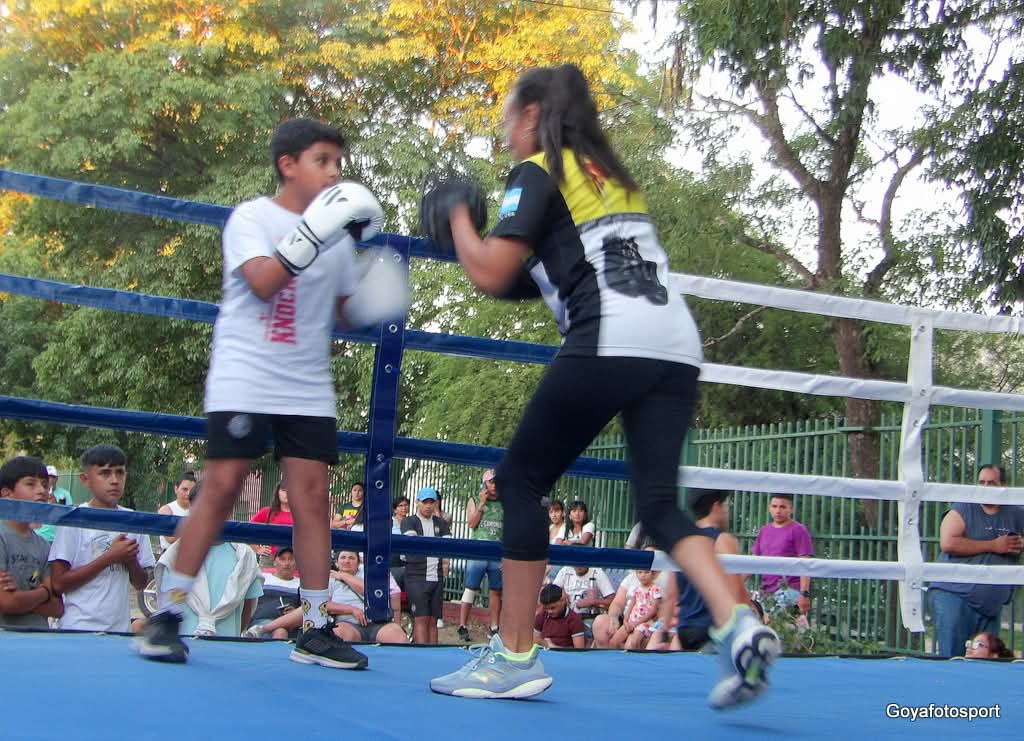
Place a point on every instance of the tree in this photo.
(802, 75)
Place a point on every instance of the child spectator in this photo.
(24, 554)
(226, 589)
(424, 576)
(556, 626)
(640, 622)
(93, 568)
(581, 530)
(559, 529)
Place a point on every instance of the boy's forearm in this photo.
(53, 607)
(72, 579)
(23, 602)
(137, 575)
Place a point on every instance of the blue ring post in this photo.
(387, 366)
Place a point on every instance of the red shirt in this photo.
(279, 518)
(560, 629)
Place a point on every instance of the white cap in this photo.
(52, 471)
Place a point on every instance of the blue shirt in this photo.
(219, 564)
(693, 612)
(988, 599)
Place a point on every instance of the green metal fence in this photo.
(956, 442)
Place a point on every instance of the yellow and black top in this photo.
(597, 263)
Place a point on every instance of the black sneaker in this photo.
(159, 639)
(321, 646)
(464, 633)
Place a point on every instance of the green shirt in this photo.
(491, 521)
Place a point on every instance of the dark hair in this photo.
(187, 476)
(104, 455)
(788, 497)
(995, 643)
(394, 504)
(568, 118)
(998, 469)
(550, 594)
(580, 504)
(556, 504)
(275, 503)
(18, 468)
(196, 491)
(702, 500)
(354, 484)
(296, 135)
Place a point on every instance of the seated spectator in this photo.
(27, 595)
(226, 589)
(424, 576)
(352, 511)
(179, 506)
(557, 626)
(581, 530)
(278, 513)
(638, 539)
(348, 605)
(605, 626)
(987, 646)
(589, 591)
(640, 622)
(93, 568)
(558, 531)
(280, 595)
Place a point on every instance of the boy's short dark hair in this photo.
(701, 501)
(187, 476)
(550, 594)
(787, 497)
(104, 455)
(360, 484)
(296, 135)
(18, 468)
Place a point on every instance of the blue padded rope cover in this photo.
(251, 532)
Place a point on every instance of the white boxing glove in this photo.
(345, 209)
(383, 292)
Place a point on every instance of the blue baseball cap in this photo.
(427, 493)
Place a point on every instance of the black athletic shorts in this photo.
(424, 597)
(244, 435)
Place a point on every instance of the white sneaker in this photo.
(746, 647)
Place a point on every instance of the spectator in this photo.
(278, 513)
(975, 534)
(581, 530)
(280, 596)
(485, 518)
(784, 536)
(179, 505)
(559, 529)
(399, 511)
(987, 646)
(589, 591)
(62, 496)
(348, 602)
(27, 595)
(226, 589)
(352, 511)
(425, 575)
(640, 621)
(638, 539)
(93, 568)
(557, 626)
(45, 531)
(606, 625)
(710, 510)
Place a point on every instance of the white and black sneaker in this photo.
(321, 646)
(160, 641)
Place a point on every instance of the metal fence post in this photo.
(991, 450)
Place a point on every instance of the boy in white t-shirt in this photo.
(93, 568)
(291, 274)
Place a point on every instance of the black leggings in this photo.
(574, 401)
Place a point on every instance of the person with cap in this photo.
(484, 516)
(425, 575)
(61, 496)
(710, 510)
(280, 595)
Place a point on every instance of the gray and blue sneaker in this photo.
(746, 648)
(492, 674)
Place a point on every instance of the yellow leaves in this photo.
(10, 204)
(171, 246)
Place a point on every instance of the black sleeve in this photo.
(441, 528)
(524, 209)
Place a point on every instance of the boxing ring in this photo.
(233, 687)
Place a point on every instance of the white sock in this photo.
(174, 589)
(314, 607)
